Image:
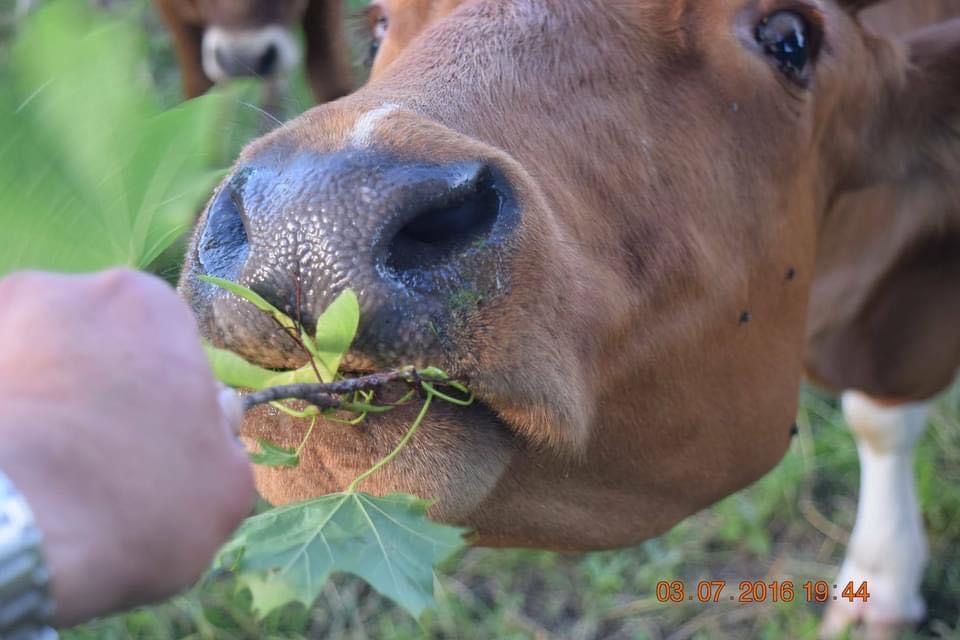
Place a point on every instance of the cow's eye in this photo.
(379, 33)
(372, 52)
(791, 41)
(371, 26)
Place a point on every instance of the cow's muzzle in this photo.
(424, 245)
(263, 53)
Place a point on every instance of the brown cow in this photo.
(603, 214)
(216, 40)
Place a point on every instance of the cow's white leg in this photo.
(22, 8)
(888, 548)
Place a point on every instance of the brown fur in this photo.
(886, 301)
(674, 189)
(326, 57)
(901, 17)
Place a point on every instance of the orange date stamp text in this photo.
(758, 591)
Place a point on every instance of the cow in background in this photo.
(216, 40)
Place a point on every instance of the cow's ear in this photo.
(885, 311)
(912, 125)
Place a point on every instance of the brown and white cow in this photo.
(606, 216)
(884, 320)
(216, 40)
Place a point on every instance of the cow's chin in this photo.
(456, 457)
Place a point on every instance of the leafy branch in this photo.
(287, 554)
(325, 395)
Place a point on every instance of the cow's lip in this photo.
(354, 365)
(456, 458)
(404, 412)
(394, 391)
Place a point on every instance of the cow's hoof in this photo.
(838, 620)
(866, 622)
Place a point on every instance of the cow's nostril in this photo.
(238, 62)
(446, 223)
(223, 245)
(226, 62)
(267, 62)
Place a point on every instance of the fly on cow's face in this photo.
(792, 41)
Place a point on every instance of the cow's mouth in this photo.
(397, 396)
(456, 457)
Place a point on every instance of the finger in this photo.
(232, 409)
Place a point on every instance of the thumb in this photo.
(231, 406)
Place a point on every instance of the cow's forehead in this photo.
(432, 9)
(251, 13)
(712, 36)
(677, 23)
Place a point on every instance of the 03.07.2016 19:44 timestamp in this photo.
(758, 591)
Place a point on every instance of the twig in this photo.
(325, 395)
(312, 393)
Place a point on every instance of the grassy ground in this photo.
(791, 525)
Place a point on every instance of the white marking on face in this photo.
(362, 134)
(231, 53)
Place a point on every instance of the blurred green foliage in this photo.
(93, 173)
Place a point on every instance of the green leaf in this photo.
(309, 412)
(303, 375)
(389, 542)
(269, 595)
(270, 455)
(93, 173)
(253, 298)
(234, 371)
(336, 328)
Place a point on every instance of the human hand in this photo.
(111, 427)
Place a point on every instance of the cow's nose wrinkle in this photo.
(223, 245)
(267, 62)
(446, 222)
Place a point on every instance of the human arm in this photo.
(110, 426)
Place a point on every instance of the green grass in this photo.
(790, 525)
